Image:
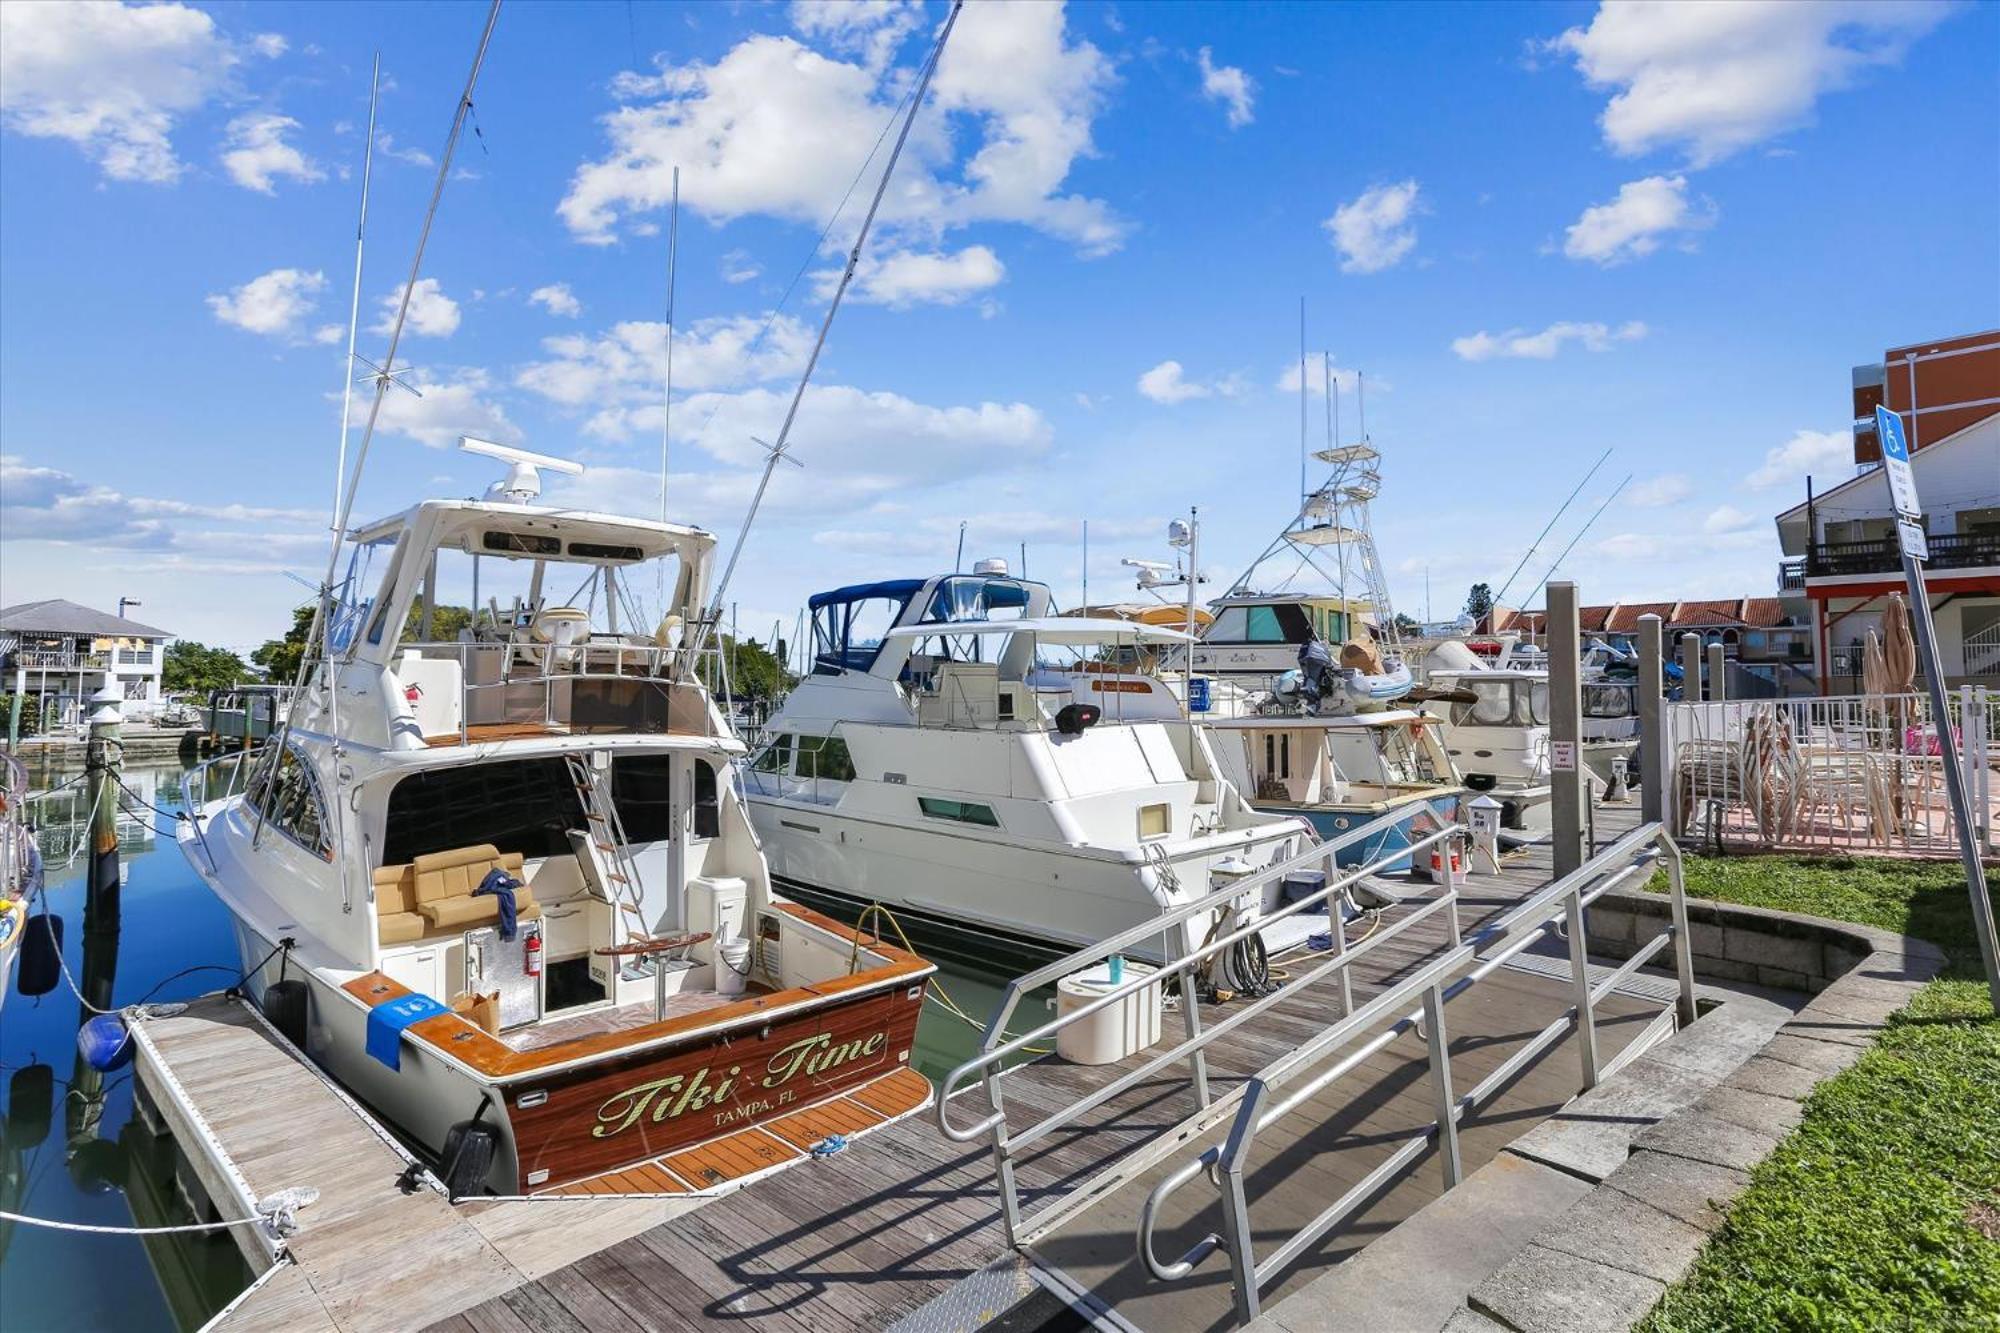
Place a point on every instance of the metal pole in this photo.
(1565, 727)
(1447, 1100)
(1954, 774)
(354, 305)
(826, 325)
(1717, 679)
(1652, 716)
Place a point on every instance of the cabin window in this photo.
(1156, 821)
(1608, 701)
(290, 802)
(962, 812)
(380, 620)
(641, 791)
(521, 543)
(825, 757)
(521, 805)
(775, 757)
(601, 551)
(1285, 754)
(1493, 705)
(707, 807)
(1004, 709)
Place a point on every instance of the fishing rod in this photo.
(1537, 544)
(1574, 540)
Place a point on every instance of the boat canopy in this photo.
(861, 592)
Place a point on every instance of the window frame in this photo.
(960, 811)
(269, 793)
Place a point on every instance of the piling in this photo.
(1652, 717)
(83, 1109)
(1717, 677)
(1566, 766)
(1691, 668)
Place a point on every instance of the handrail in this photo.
(1522, 926)
(194, 806)
(1181, 961)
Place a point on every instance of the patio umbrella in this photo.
(1899, 649)
(1874, 667)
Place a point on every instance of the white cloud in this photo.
(557, 299)
(416, 157)
(1632, 224)
(256, 152)
(432, 313)
(872, 29)
(774, 127)
(269, 45)
(1165, 383)
(906, 278)
(1374, 230)
(620, 373)
(1346, 380)
(454, 404)
(1658, 492)
(1484, 346)
(110, 78)
(48, 504)
(1727, 518)
(275, 304)
(1230, 86)
(1808, 451)
(738, 266)
(1714, 79)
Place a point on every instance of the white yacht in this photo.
(939, 759)
(642, 1014)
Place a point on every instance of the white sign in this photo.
(1910, 536)
(1896, 459)
(1562, 756)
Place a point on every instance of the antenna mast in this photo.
(667, 399)
(777, 451)
(1302, 401)
(354, 306)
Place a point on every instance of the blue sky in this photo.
(1538, 230)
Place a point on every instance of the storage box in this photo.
(1115, 1031)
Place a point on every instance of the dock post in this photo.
(1691, 668)
(83, 1109)
(1717, 691)
(1565, 727)
(1652, 717)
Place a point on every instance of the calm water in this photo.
(70, 1146)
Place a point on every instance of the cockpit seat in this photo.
(433, 894)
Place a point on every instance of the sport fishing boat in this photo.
(993, 773)
(499, 884)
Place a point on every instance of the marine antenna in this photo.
(777, 451)
(354, 306)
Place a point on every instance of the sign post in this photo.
(1910, 537)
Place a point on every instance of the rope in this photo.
(275, 1212)
(936, 992)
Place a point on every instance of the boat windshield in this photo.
(1610, 699)
(1502, 703)
(848, 624)
(976, 598)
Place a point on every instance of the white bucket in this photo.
(732, 967)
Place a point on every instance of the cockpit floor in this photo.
(622, 1018)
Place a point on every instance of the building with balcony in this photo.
(60, 654)
(1841, 559)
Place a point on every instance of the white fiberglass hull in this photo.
(978, 890)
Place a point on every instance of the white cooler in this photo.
(1115, 1031)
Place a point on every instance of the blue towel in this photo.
(501, 885)
(387, 1021)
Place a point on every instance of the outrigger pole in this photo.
(315, 645)
(1536, 545)
(1579, 537)
(777, 451)
(354, 306)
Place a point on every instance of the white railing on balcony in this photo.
(1982, 652)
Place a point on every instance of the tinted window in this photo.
(522, 805)
(640, 789)
(707, 810)
(290, 802)
(522, 543)
(776, 757)
(963, 812)
(825, 757)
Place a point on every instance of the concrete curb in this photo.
(1604, 1263)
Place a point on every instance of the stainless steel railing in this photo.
(1288, 1084)
(197, 789)
(1181, 962)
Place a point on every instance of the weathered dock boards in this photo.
(254, 1118)
(860, 1239)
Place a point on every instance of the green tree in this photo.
(753, 672)
(280, 657)
(198, 668)
(1479, 601)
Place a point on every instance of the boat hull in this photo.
(1334, 820)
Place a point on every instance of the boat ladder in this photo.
(607, 836)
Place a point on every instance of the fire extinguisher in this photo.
(532, 954)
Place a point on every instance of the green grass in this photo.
(1862, 1217)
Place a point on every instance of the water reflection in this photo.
(107, 1164)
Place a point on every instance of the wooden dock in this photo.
(908, 1222)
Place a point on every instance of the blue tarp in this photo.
(387, 1021)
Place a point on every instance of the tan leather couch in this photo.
(433, 894)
